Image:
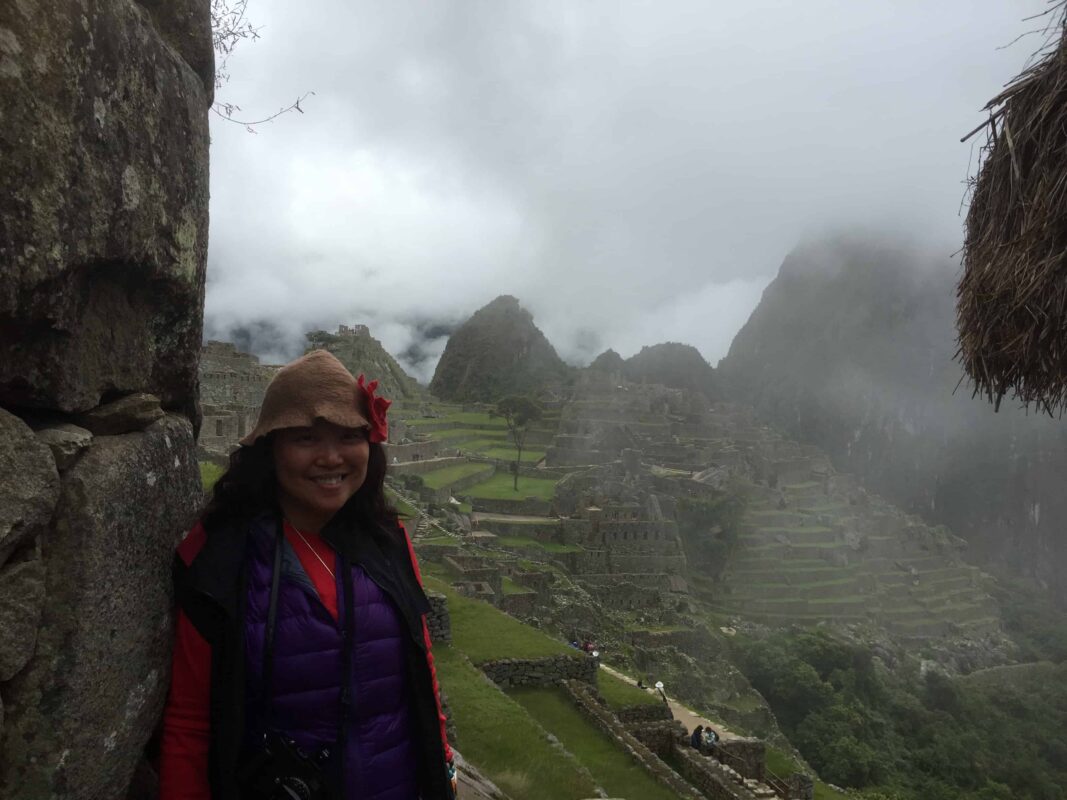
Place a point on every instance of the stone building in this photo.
(232, 385)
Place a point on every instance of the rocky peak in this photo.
(498, 351)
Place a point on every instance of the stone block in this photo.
(66, 441)
(79, 714)
(134, 412)
(21, 602)
(103, 217)
(29, 483)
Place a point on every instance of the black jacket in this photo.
(211, 591)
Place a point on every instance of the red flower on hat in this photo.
(376, 409)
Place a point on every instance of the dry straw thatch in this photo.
(1012, 298)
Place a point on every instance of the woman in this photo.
(302, 664)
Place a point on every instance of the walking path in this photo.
(687, 716)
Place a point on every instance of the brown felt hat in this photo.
(315, 386)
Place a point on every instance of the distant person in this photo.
(302, 665)
(639, 684)
(711, 738)
(697, 737)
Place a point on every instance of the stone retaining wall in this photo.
(521, 604)
(438, 620)
(701, 772)
(523, 506)
(405, 453)
(548, 671)
(608, 724)
(644, 713)
(423, 466)
(660, 737)
(747, 756)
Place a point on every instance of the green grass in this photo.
(610, 766)
(459, 433)
(495, 733)
(510, 587)
(446, 541)
(494, 450)
(209, 473)
(484, 633)
(548, 547)
(621, 694)
(783, 766)
(499, 487)
(403, 507)
(440, 478)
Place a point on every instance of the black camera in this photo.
(282, 770)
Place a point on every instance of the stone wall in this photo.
(644, 713)
(546, 671)
(411, 451)
(103, 241)
(438, 620)
(608, 724)
(232, 385)
(747, 756)
(421, 467)
(702, 772)
(527, 506)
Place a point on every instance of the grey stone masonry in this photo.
(608, 723)
(546, 671)
(438, 620)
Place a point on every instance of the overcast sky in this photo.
(634, 172)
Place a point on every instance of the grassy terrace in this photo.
(548, 547)
(403, 507)
(507, 453)
(782, 765)
(459, 433)
(510, 587)
(484, 633)
(498, 735)
(611, 768)
(620, 694)
(500, 487)
(440, 478)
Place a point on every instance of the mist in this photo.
(632, 173)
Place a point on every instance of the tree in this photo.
(230, 26)
(518, 412)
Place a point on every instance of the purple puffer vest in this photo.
(380, 759)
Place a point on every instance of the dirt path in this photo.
(689, 718)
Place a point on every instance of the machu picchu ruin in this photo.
(661, 523)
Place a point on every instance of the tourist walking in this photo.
(302, 664)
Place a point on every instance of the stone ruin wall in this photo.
(232, 385)
(103, 242)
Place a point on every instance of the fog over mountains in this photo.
(633, 174)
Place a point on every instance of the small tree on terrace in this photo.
(518, 412)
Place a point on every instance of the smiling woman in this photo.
(301, 606)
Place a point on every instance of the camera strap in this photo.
(272, 623)
(348, 636)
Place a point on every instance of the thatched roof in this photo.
(1012, 298)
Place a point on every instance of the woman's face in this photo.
(318, 468)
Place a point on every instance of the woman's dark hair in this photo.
(249, 487)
